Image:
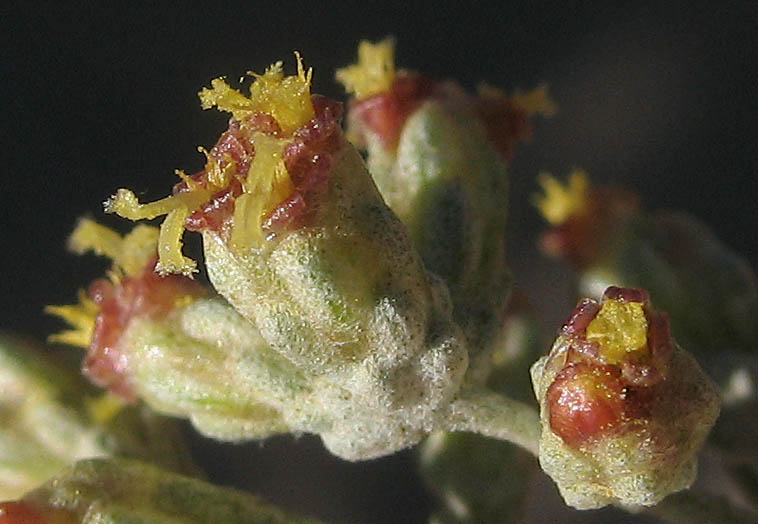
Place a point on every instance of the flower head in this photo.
(375, 71)
(132, 290)
(586, 220)
(256, 178)
(624, 410)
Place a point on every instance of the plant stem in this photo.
(495, 415)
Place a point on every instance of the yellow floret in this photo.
(129, 254)
(534, 102)
(286, 98)
(620, 329)
(375, 71)
(560, 202)
(81, 317)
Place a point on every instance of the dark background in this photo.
(659, 99)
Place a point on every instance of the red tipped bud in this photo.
(624, 410)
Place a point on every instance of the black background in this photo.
(661, 99)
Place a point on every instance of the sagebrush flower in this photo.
(624, 410)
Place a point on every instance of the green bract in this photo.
(454, 199)
(49, 419)
(128, 492)
(347, 302)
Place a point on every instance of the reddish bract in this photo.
(586, 402)
(22, 512)
(149, 295)
(590, 399)
(307, 159)
(385, 114)
(506, 124)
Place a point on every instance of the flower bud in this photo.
(117, 490)
(624, 410)
(163, 339)
(51, 418)
(438, 156)
(709, 292)
(132, 293)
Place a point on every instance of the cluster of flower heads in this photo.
(364, 301)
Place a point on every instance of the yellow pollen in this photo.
(560, 202)
(620, 329)
(286, 98)
(375, 71)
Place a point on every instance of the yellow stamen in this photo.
(81, 317)
(620, 329)
(170, 258)
(89, 235)
(535, 102)
(216, 176)
(177, 208)
(137, 250)
(375, 71)
(268, 183)
(129, 254)
(286, 98)
(560, 202)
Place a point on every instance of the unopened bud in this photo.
(438, 156)
(624, 410)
